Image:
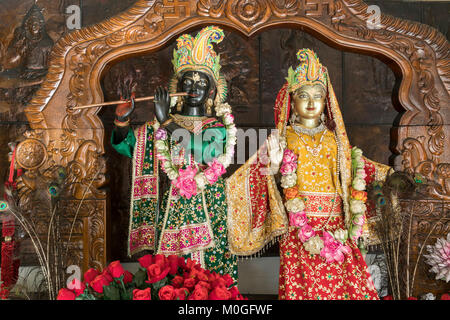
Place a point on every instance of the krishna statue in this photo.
(189, 219)
(320, 217)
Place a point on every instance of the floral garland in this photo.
(192, 179)
(330, 246)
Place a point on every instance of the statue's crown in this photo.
(198, 53)
(309, 71)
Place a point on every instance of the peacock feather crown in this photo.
(309, 71)
(197, 54)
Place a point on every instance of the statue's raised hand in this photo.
(162, 104)
(124, 110)
(275, 149)
(126, 90)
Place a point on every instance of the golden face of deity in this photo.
(309, 104)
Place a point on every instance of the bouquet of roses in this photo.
(158, 278)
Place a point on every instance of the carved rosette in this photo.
(31, 154)
(74, 138)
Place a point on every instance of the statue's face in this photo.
(197, 85)
(309, 101)
(33, 26)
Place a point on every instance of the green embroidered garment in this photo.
(194, 227)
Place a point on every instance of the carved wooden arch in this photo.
(74, 139)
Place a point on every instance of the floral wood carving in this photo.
(74, 139)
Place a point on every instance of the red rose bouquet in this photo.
(158, 278)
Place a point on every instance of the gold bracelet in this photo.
(168, 121)
(122, 124)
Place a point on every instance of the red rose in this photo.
(445, 296)
(190, 264)
(146, 261)
(189, 283)
(127, 276)
(228, 280)
(181, 262)
(234, 292)
(389, 297)
(65, 294)
(155, 273)
(90, 275)
(219, 282)
(116, 269)
(412, 298)
(177, 281)
(160, 260)
(219, 293)
(167, 293)
(200, 293)
(203, 284)
(142, 294)
(181, 293)
(98, 283)
(107, 275)
(173, 264)
(77, 286)
(201, 276)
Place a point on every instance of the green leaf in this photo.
(111, 292)
(86, 296)
(127, 294)
(291, 76)
(139, 278)
(157, 286)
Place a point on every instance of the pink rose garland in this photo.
(186, 183)
(333, 250)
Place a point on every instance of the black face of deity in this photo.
(198, 87)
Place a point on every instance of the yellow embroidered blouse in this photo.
(316, 174)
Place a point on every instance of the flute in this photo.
(178, 94)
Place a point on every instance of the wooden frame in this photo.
(74, 139)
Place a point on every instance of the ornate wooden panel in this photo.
(75, 139)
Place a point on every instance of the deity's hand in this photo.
(275, 150)
(123, 110)
(162, 104)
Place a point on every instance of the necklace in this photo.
(310, 132)
(312, 150)
(191, 123)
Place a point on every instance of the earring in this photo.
(323, 117)
(209, 104)
(179, 104)
(293, 118)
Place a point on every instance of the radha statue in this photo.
(190, 218)
(321, 216)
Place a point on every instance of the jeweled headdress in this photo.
(197, 54)
(309, 71)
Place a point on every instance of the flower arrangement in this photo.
(331, 246)
(439, 258)
(192, 179)
(158, 278)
